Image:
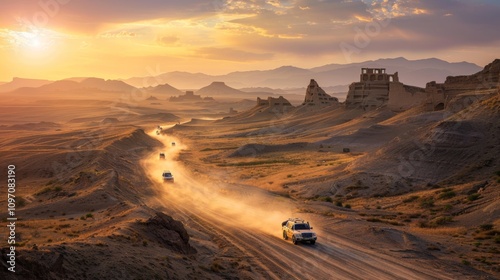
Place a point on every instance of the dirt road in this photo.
(249, 219)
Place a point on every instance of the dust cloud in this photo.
(205, 191)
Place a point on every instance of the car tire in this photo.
(285, 236)
(294, 240)
(312, 242)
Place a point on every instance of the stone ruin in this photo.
(278, 105)
(485, 82)
(377, 88)
(316, 96)
(189, 96)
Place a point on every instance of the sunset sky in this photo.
(55, 39)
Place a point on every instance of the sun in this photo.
(34, 41)
(31, 40)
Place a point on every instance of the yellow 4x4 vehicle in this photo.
(298, 230)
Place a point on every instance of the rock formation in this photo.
(278, 105)
(316, 96)
(171, 233)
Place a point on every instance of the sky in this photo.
(56, 39)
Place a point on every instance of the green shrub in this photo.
(20, 202)
(485, 227)
(447, 194)
(427, 202)
(474, 196)
(325, 198)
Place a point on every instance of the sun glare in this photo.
(30, 41)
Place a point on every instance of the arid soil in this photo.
(415, 197)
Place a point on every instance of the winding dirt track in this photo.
(201, 204)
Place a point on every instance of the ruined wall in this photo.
(278, 105)
(403, 97)
(440, 95)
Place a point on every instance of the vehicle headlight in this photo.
(298, 235)
(314, 234)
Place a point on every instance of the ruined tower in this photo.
(316, 96)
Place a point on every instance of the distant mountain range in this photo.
(282, 80)
(20, 82)
(97, 84)
(411, 72)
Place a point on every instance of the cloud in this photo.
(90, 15)
(230, 54)
(167, 40)
(120, 34)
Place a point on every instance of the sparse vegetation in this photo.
(218, 149)
(348, 206)
(411, 198)
(439, 221)
(427, 202)
(485, 227)
(48, 190)
(259, 162)
(447, 194)
(324, 198)
(20, 202)
(474, 196)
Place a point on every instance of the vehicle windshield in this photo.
(301, 226)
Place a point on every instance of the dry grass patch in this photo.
(450, 231)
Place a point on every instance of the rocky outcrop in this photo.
(316, 96)
(169, 232)
(34, 264)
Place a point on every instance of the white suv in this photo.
(167, 176)
(298, 230)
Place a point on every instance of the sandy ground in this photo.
(89, 180)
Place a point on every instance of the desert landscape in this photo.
(392, 194)
(249, 140)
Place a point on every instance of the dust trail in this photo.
(244, 206)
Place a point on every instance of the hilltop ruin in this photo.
(377, 88)
(316, 96)
(278, 105)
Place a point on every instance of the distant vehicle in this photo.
(173, 144)
(167, 176)
(298, 230)
(162, 155)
